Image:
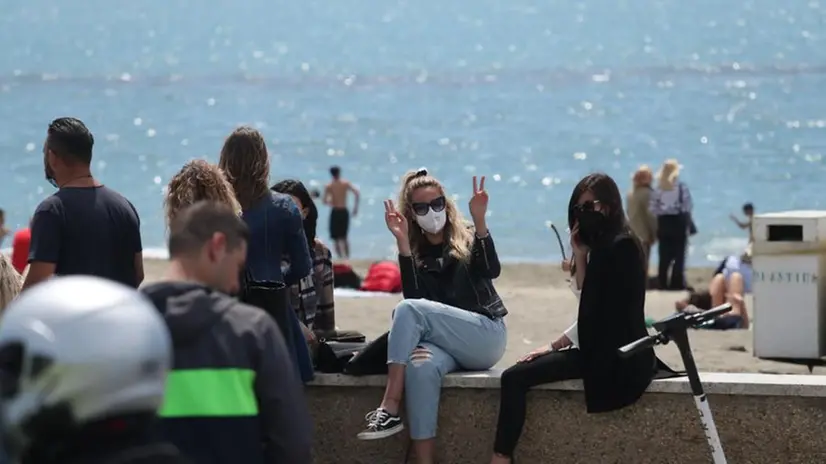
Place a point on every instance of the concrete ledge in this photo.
(761, 418)
(718, 383)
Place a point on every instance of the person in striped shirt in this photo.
(312, 297)
(671, 204)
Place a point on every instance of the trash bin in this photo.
(789, 254)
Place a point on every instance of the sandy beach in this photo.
(541, 306)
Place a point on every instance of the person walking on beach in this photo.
(748, 212)
(642, 222)
(335, 196)
(608, 268)
(451, 317)
(233, 385)
(85, 227)
(672, 205)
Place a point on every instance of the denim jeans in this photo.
(433, 339)
(299, 350)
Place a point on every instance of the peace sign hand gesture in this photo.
(396, 222)
(479, 201)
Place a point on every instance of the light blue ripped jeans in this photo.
(434, 339)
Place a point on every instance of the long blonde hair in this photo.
(196, 181)
(10, 282)
(246, 163)
(458, 236)
(667, 175)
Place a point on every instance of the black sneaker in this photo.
(381, 424)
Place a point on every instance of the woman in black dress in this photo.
(610, 272)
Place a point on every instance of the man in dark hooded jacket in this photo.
(232, 396)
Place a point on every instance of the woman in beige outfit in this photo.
(643, 223)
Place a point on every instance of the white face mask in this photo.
(432, 222)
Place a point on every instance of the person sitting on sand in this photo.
(451, 317)
(609, 268)
(198, 180)
(730, 285)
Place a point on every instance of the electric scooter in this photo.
(675, 327)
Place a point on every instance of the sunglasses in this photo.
(585, 206)
(437, 205)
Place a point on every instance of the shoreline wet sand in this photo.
(541, 306)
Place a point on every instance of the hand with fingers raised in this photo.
(478, 206)
(397, 225)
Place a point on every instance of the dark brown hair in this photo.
(605, 190)
(194, 226)
(70, 138)
(246, 163)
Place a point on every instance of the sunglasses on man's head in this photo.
(589, 205)
(437, 205)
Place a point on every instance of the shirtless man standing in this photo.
(335, 196)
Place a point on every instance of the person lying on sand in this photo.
(729, 285)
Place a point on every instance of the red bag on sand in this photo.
(383, 276)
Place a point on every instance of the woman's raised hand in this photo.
(479, 201)
(396, 222)
(579, 248)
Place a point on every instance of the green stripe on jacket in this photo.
(209, 393)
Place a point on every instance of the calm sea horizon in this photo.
(532, 94)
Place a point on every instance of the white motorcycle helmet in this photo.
(74, 350)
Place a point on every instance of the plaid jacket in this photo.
(312, 297)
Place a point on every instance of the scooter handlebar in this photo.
(705, 316)
(691, 320)
(639, 345)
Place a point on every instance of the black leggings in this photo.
(515, 383)
(672, 237)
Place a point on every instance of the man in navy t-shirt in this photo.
(85, 227)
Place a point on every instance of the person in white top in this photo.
(571, 333)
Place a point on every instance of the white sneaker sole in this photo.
(381, 434)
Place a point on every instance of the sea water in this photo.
(533, 94)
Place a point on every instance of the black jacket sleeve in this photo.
(412, 286)
(484, 258)
(286, 425)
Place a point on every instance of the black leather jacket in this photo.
(466, 285)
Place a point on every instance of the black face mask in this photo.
(592, 225)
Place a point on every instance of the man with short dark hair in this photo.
(335, 196)
(85, 227)
(233, 387)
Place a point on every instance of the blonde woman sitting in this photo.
(451, 317)
(10, 282)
